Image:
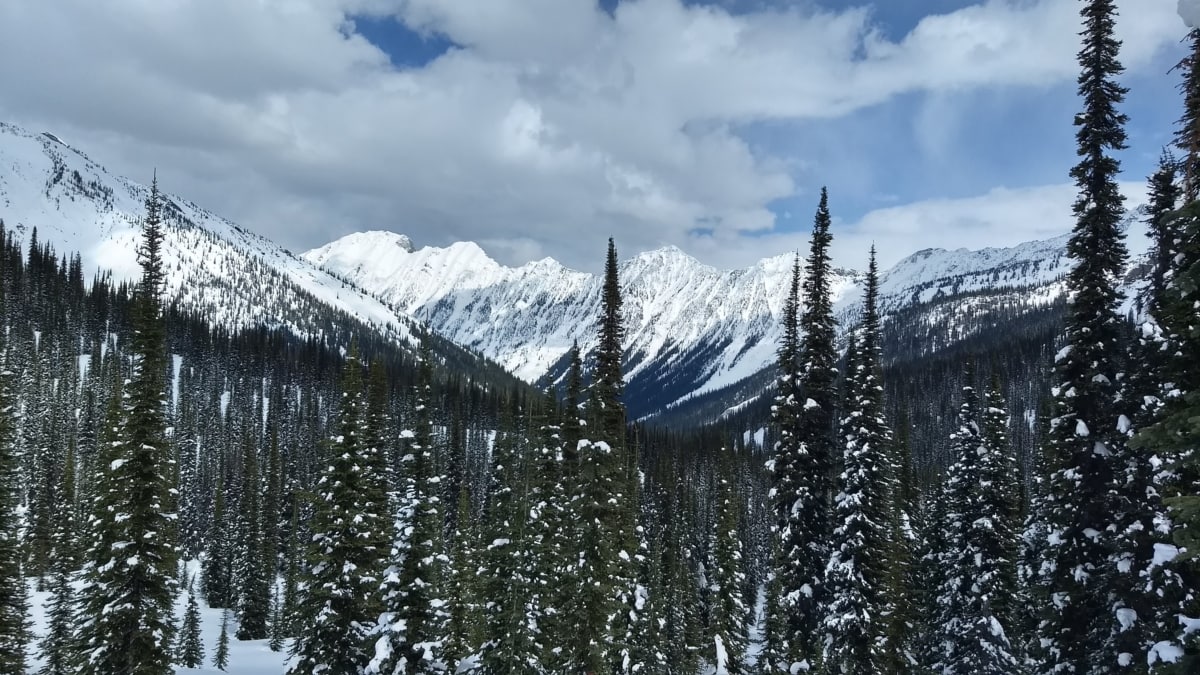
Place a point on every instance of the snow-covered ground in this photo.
(245, 658)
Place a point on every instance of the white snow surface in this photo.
(250, 657)
(716, 327)
(676, 308)
(236, 278)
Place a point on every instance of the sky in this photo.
(542, 127)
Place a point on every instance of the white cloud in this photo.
(552, 127)
(1001, 217)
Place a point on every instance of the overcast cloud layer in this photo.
(550, 126)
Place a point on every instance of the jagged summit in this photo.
(691, 328)
(708, 328)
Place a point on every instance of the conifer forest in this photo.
(333, 496)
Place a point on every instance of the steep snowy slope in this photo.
(234, 277)
(690, 328)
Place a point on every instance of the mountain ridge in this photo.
(690, 328)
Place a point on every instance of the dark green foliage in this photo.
(217, 575)
(413, 619)
(975, 554)
(728, 614)
(250, 570)
(464, 625)
(190, 652)
(510, 646)
(14, 630)
(221, 654)
(806, 535)
(129, 578)
(58, 654)
(1086, 443)
(335, 614)
(856, 578)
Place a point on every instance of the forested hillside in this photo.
(966, 477)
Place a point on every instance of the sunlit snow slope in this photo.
(690, 328)
(233, 277)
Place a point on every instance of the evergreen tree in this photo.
(334, 613)
(14, 629)
(563, 629)
(773, 658)
(191, 647)
(1079, 630)
(1170, 438)
(221, 655)
(411, 626)
(786, 469)
(728, 614)
(972, 638)
(856, 575)
(546, 518)
(510, 646)
(253, 586)
(217, 575)
(464, 623)
(903, 617)
(1163, 194)
(129, 581)
(58, 657)
(605, 476)
(808, 529)
(999, 496)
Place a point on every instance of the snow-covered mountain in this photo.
(235, 278)
(691, 328)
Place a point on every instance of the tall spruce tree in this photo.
(334, 616)
(856, 576)
(190, 653)
(216, 578)
(728, 616)
(511, 643)
(1086, 437)
(786, 467)
(1171, 436)
(411, 627)
(605, 481)
(808, 518)
(975, 554)
(14, 604)
(250, 570)
(57, 648)
(129, 579)
(464, 623)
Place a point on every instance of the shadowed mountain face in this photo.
(693, 332)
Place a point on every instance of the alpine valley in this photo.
(700, 343)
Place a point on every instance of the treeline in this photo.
(1072, 550)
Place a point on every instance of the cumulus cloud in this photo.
(1001, 217)
(549, 126)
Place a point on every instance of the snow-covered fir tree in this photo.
(856, 576)
(250, 570)
(974, 561)
(14, 628)
(511, 645)
(812, 404)
(335, 614)
(412, 625)
(728, 615)
(190, 651)
(1086, 443)
(126, 619)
